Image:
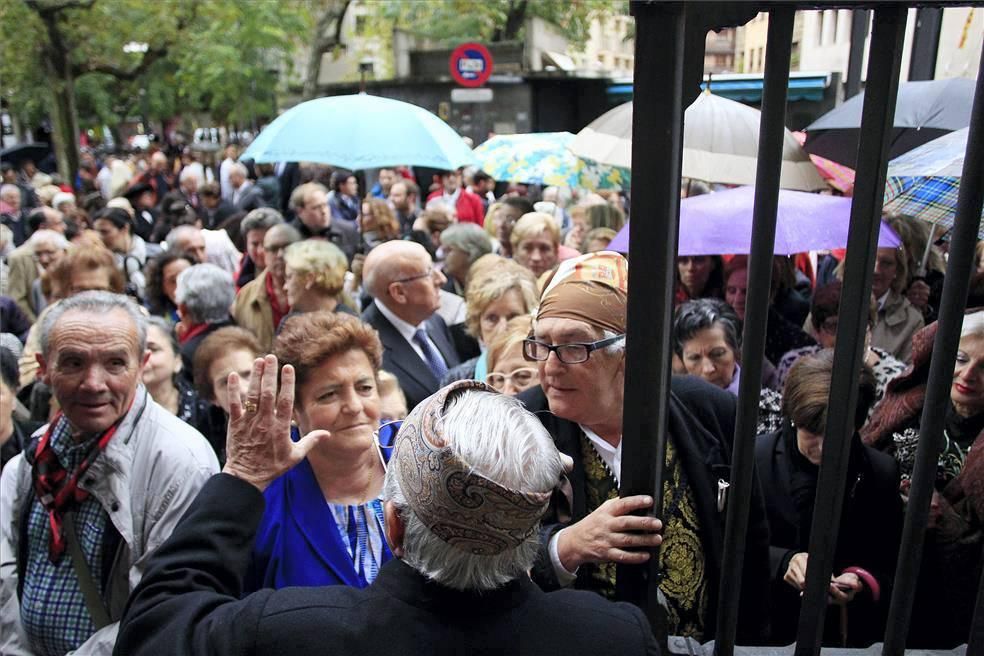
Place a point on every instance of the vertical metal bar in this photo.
(771, 128)
(975, 644)
(657, 127)
(925, 43)
(877, 117)
(859, 30)
(955, 286)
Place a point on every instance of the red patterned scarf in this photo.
(56, 488)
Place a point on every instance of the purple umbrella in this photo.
(721, 222)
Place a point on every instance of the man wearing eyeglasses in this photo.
(578, 343)
(417, 344)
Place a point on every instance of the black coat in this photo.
(188, 603)
(701, 426)
(869, 535)
(341, 233)
(401, 360)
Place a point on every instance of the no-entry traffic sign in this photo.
(471, 64)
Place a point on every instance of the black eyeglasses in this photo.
(577, 353)
(426, 274)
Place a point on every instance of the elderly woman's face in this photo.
(163, 363)
(967, 391)
(708, 355)
(498, 313)
(694, 272)
(295, 284)
(341, 396)
(538, 254)
(511, 373)
(456, 262)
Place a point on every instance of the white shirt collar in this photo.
(452, 199)
(404, 328)
(884, 297)
(611, 455)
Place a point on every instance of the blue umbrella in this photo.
(361, 132)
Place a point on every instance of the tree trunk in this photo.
(515, 18)
(327, 35)
(64, 118)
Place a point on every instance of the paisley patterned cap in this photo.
(463, 508)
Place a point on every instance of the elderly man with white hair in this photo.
(11, 212)
(204, 295)
(245, 195)
(405, 286)
(98, 489)
(462, 503)
(27, 263)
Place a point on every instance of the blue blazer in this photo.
(298, 543)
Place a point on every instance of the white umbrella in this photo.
(720, 144)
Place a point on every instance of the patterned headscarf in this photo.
(591, 288)
(463, 508)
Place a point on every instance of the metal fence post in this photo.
(771, 129)
(955, 287)
(657, 128)
(877, 117)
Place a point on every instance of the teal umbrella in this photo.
(361, 132)
(544, 158)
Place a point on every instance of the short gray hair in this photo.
(262, 218)
(468, 237)
(174, 235)
(700, 314)
(509, 446)
(240, 168)
(973, 324)
(46, 236)
(206, 292)
(95, 302)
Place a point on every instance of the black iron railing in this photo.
(669, 42)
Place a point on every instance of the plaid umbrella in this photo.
(925, 182)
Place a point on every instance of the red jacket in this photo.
(469, 206)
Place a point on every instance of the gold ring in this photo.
(249, 406)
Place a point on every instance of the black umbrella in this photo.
(924, 111)
(17, 155)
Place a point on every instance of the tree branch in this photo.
(52, 8)
(149, 58)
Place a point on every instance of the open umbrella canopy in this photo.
(721, 222)
(925, 182)
(544, 159)
(361, 132)
(720, 144)
(924, 111)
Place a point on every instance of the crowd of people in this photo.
(334, 353)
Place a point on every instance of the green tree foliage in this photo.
(65, 59)
(452, 21)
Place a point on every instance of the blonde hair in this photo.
(495, 282)
(489, 224)
(532, 225)
(320, 259)
(517, 329)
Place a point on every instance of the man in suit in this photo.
(405, 286)
(578, 343)
(458, 583)
(313, 219)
